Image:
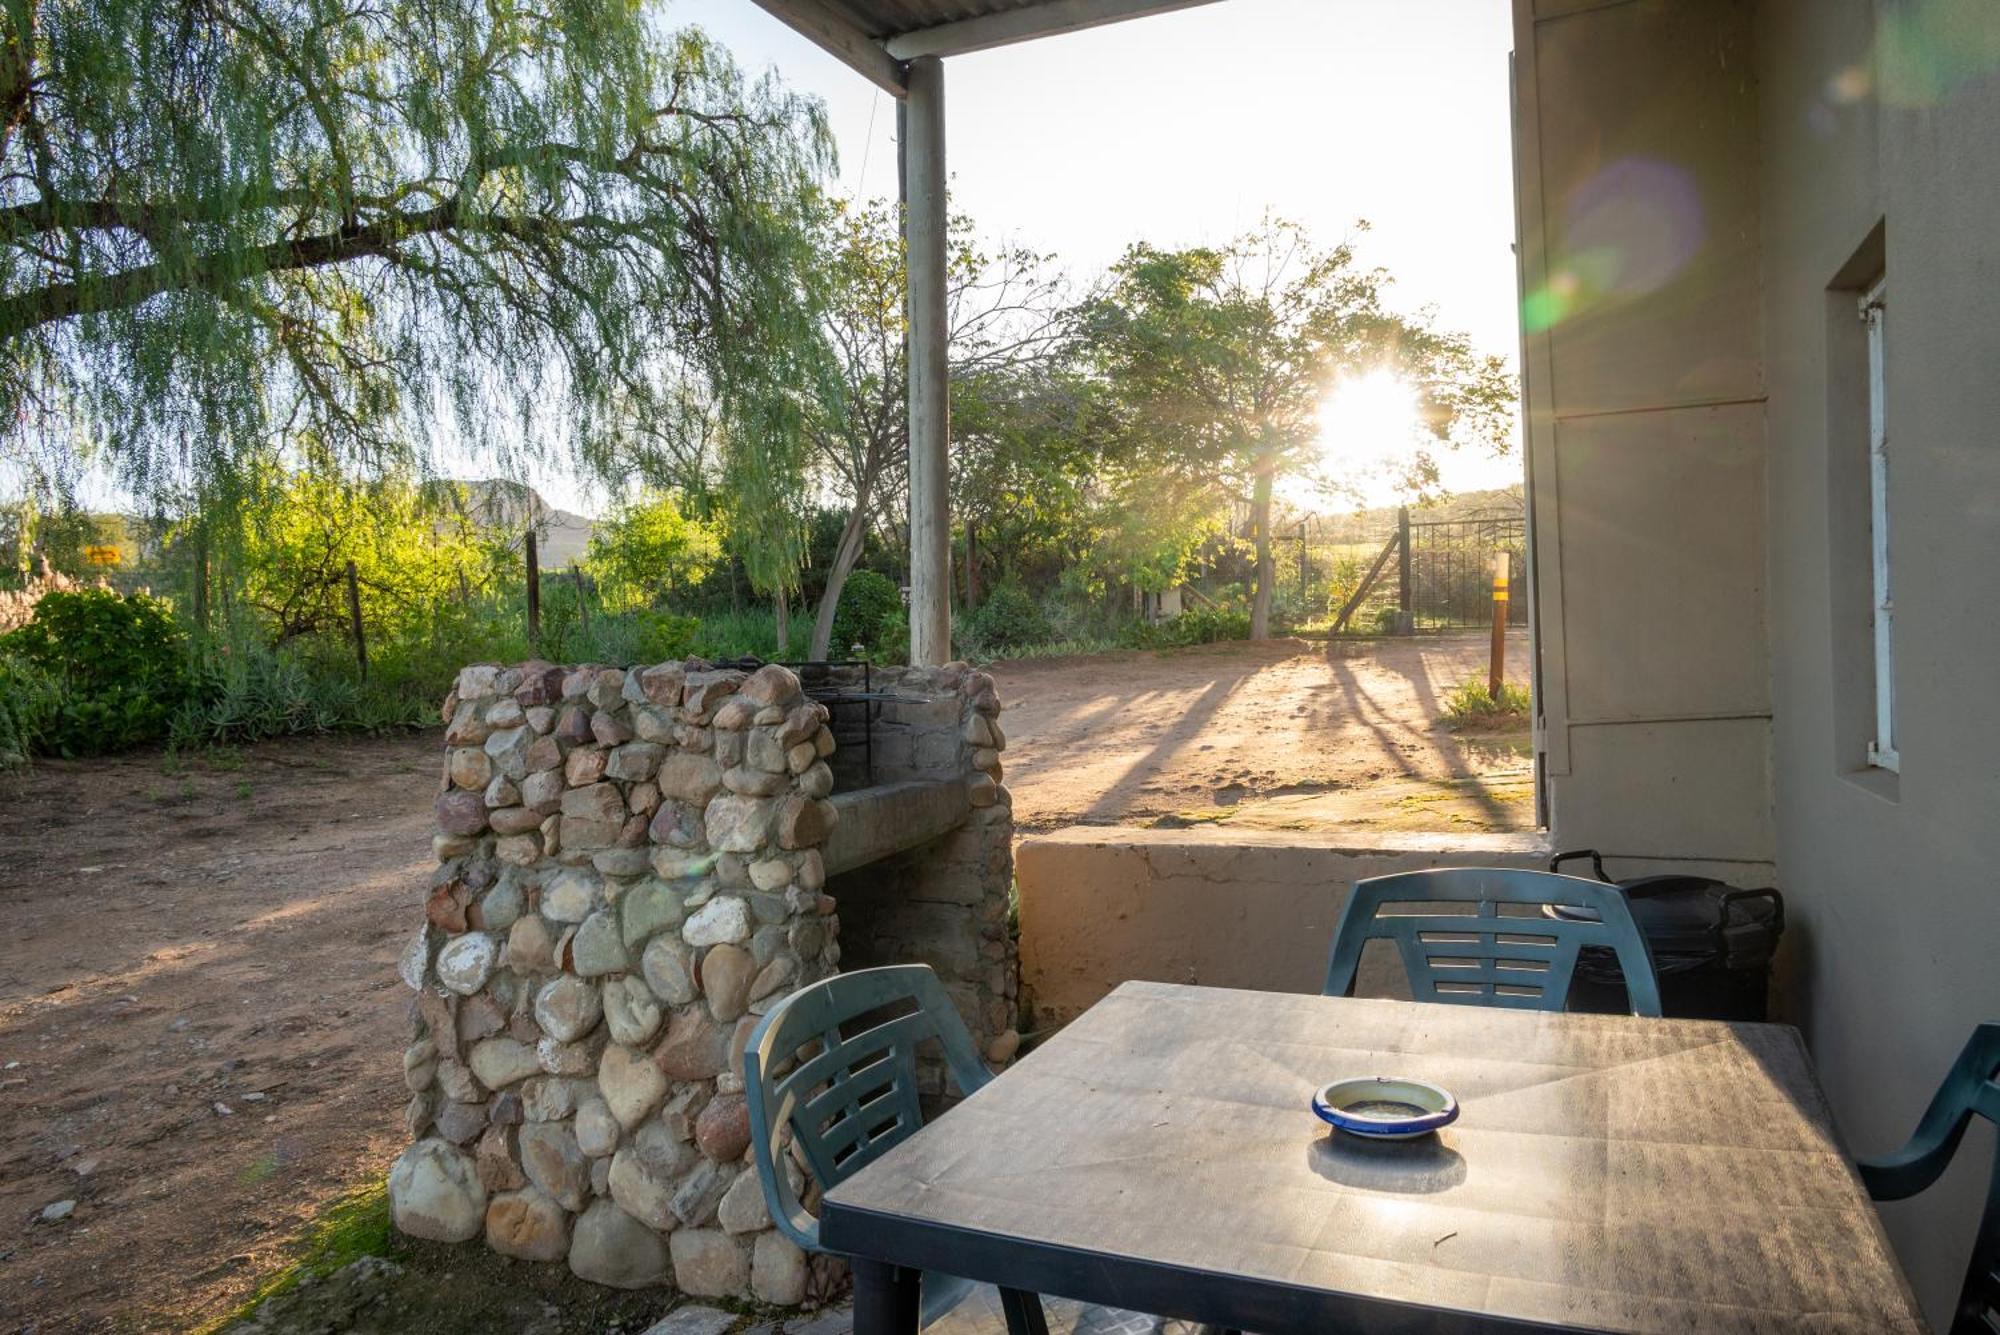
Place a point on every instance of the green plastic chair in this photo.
(855, 1097)
(1486, 958)
(1969, 1088)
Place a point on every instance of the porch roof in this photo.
(878, 37)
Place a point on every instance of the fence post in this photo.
(201, 580)
(534, 592)
(582, 599)
(354, 615)
(1496, 671)
(1406, 619)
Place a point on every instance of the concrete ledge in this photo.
(1224, 908)
(876, 822)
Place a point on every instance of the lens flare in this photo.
(1629, 230)
(1926, 52)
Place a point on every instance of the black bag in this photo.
(1712, 944)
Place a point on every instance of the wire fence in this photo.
(1352, 574)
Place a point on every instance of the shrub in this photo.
(751, 631)
(243, 692)
(28, 701)
(1210, 625)
(1009, 619)
(892, 640)
(1471, 706)
(118, 664)
(1203, 625)
(865, 600)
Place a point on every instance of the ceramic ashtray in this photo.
(1383, 1107)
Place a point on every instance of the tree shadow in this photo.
(1394, 735)
(1115, 800)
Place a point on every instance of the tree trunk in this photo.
(784, 624)
(845, 555)
(971, 567)
(1260, 532)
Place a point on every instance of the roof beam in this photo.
(843, 39)
(1048, 19)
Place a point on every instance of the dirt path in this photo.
(178, 942)
(177, 945)
(1288, 734)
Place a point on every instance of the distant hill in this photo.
(502, 506)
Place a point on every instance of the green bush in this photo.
(1211, 625)
(1203, 625)
(892, 639)
(865, 600)
(1471, 705)
(1009, 620)
(118, 664)
(243, 692)
(752, 632)
(29, 698)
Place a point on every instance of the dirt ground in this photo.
(200, 1020)
(1285, 735)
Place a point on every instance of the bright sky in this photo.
(1186, 127)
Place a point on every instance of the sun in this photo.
(1367, 422)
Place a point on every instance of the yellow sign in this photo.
(99, 555)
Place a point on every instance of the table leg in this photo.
(887, 1298)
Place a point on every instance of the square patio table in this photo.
(1606, 1173)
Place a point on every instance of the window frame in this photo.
(1874, 311)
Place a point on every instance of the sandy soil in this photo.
(183, 941)
(1289, 734)
(177, 945)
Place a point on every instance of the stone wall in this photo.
(944, 901)
(631, 870)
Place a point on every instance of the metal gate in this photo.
(1451, 570)
(1345, 577)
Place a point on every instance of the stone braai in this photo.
(632, 867)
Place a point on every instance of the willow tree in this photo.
(406, 230)
(1219, 359)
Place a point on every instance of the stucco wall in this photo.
(1636, 154)
(1697, 448)
(1221, 908)
(1896, 910)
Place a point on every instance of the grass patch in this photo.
(1472, 706)
(351, 1227)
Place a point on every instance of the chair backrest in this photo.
(1972, 1086)
(848, 1097)
(1485, 958)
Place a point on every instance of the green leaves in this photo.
(647, 549)
(507, 227)
(113, 670)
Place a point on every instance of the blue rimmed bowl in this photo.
(1385, 1107)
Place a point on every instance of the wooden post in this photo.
(1496, 671)
(201, 580)
(354, 615)
(1406, 614)
(971, 566)
(534, 592)
(925, 223)
(582, 598)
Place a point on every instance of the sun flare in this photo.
(1367, 422)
